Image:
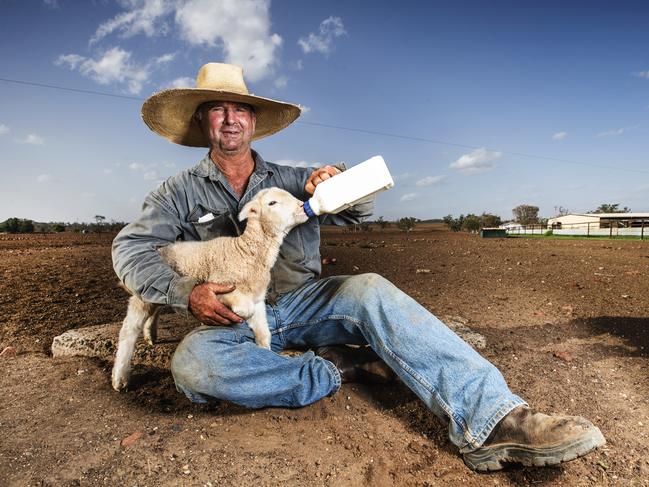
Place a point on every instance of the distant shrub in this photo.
(548, 233)
(406, 224)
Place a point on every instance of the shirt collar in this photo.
(206, 168)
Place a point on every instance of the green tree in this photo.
(526, 214)
(57, 227)
(471, 223)
(406, 224)
(488, 220)
(18, 225)
(453, 224)
(611, 208)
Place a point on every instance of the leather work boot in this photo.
(357, 364)
(535, 440)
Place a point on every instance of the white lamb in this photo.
(243, 261)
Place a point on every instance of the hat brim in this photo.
(169, 113)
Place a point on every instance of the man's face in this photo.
(229, 126)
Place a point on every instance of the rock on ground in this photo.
(459, 326)
(100, 341)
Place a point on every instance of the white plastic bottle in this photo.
(349, 187)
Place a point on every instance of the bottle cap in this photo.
(308, 210)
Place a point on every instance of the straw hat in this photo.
(170, 112)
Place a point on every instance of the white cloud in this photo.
(430, 180)
(560, 136)
(184, 82)
(240, 27)
(108, 171)
(164, 59)
(613, 132)
(305, 109)
(136, 166)
(3, 129)
(32, 139)
(408, 197)
(72, 60)
(51, 4)
(322, 42)
(294, 163)
(149, 171)
(281, 82)
(145, 16)
(43, 178)
(643, 74)
(479, 160)
(114, 66)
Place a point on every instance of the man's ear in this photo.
(252, 207)
(253, 119)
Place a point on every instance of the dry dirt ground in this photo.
(566, 321)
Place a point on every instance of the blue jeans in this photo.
(451, 378)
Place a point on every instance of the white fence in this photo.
(527, 230)
(639, 228)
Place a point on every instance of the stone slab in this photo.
(100, 341)
(460, 326)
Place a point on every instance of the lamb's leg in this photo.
(259, 325)
(253, 313)
(151, 326)
(138, 312)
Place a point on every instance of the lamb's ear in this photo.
(251, 207)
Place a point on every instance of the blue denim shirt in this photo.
(171, 213)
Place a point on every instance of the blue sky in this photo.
(476, 106)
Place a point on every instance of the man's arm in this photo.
(144, 272)
(352, 215)
(140, 266)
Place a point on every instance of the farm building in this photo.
(605, 224)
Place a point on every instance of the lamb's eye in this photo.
(272, 203)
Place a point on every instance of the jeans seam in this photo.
(334, 372)
(299, 324)
(475, 441)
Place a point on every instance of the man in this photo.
(489, 424)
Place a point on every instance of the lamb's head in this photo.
(276, 209)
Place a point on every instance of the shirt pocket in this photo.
(222, 225)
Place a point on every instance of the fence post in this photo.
(588, 229)
(642, 231)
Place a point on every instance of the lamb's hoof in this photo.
(119, 382)
(263, 343)
(150, 337)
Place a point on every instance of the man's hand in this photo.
(319, 175)
(206, 307)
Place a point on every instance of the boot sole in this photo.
(496, 457)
